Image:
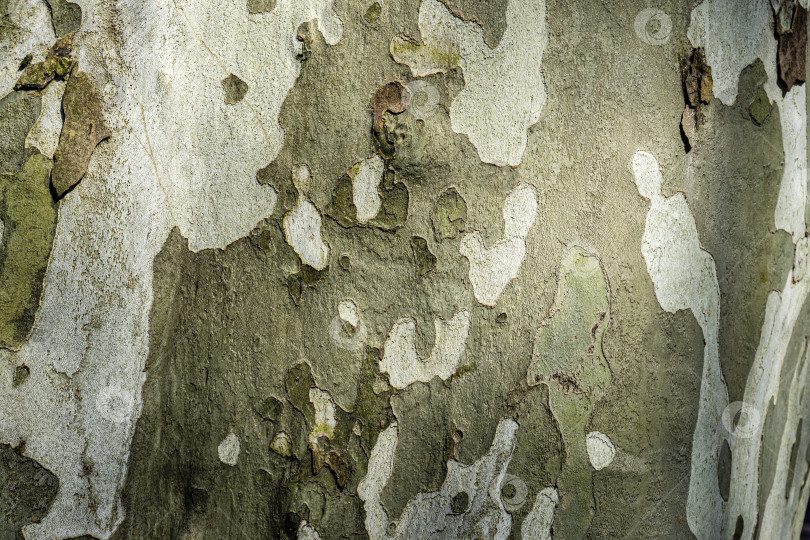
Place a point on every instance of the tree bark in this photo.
(413, 269)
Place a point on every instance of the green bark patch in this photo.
(449, 215)
(29, 215)
(260, 6)
(18, 112)
(66, 16)
(305, 278)
(761, 107)
(256, 385)
(83, 129)
(58, 63)
(568, 359)
(393, 209)
(235, 89)
(424, 259)
(26, 491)
(373, 13)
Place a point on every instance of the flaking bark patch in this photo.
(83, 130)
(260, 6)
(389, 97)
(66, 16)
(696, 76)
(235, 89)
(792, 52)
(58, 63)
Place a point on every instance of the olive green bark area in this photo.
(26, 491)
(569, 360)
(734, 216)
(83, 129)
(66, 16)
(260, 6)
(449, 215)
(57, 63)
(176, 483)
(424, 259)
(226, 330)
(29, 218)
(29, 214)
(235, 89)
(18, 112)
(393, 209)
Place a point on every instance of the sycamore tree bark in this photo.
(403, 269)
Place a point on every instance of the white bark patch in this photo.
(491, 269)
(34, 35)
(684, 277)
(44, 134)
(205, 151)
(402, 362)
(789, 214)
(430, 513)
(281, 444)
(537, 523)
(365, 188)
(325, 419)
(801, 259)
(380, 467)
(178, 156)
(734, 33)
(228, 450)
(347, 310)
(600, 450)
(307, 532)
(496, 122)
(777, 517)
(302, 225)
(347, 330)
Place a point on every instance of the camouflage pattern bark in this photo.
(403, 269)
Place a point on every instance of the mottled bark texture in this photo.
(307, 269)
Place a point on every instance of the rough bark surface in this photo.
(403, 269)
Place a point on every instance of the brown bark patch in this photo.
(235, 89)
(792, 53)
(392, 97)
(84, 128)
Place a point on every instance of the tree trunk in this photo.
(403, 269)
